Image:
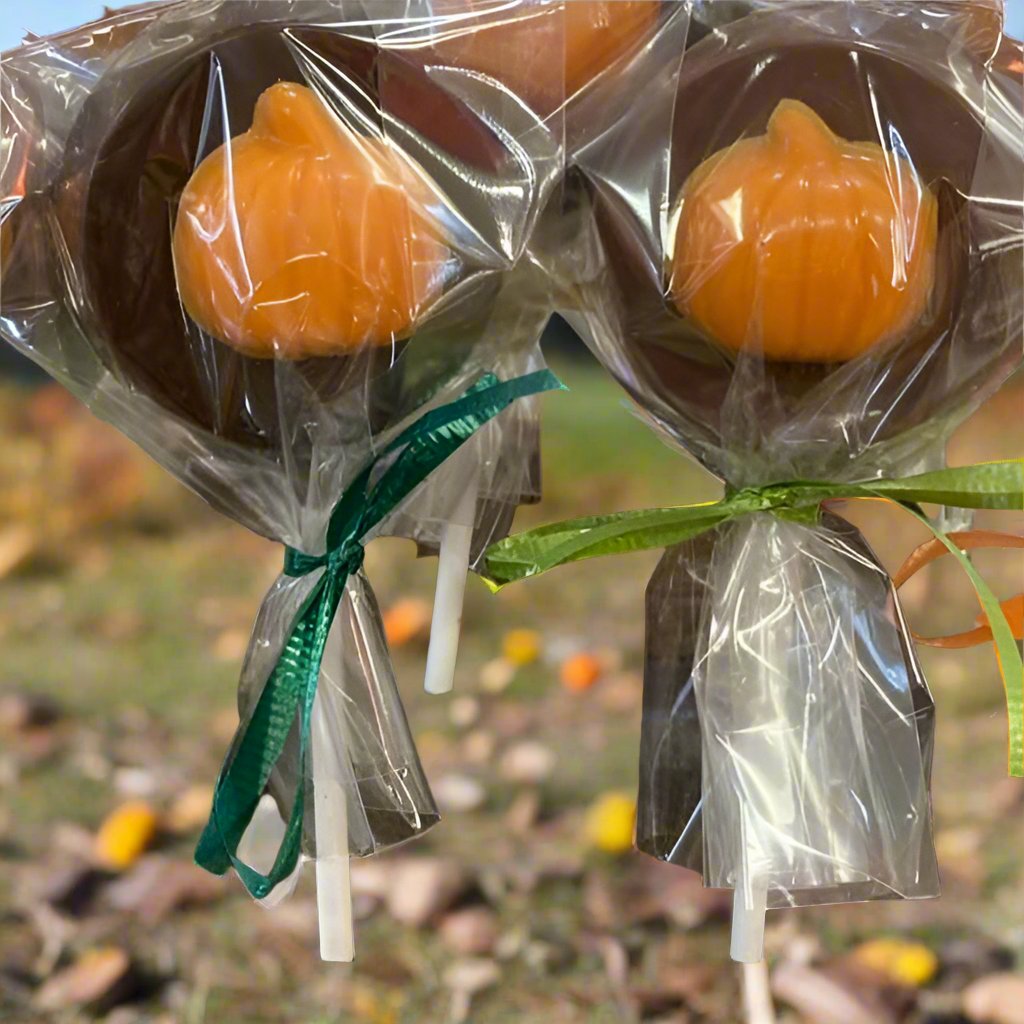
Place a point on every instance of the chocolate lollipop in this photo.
(180, 104)
(322, 303)
(815, 276)
(682, 374)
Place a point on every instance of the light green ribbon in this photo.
(291, 688)
(990, 485)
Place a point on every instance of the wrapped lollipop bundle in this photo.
(288, 256)
(800, 255)
(302, 253)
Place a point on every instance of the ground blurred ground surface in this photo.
(125, 607)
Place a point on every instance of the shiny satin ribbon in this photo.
(290, 689)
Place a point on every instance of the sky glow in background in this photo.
(46, 16)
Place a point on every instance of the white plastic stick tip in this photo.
(748, 910)
(446, 623)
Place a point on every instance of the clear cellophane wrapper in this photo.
(787, 730)
(103, 128)
(824, 657)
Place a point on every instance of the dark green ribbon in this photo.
(291, 688)
(989, 485)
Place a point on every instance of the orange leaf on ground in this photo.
(406, 620)
(580, 672)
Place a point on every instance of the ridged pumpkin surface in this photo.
(299, 238)
(802, 246)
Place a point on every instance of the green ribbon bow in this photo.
(291, 687)
(991, 485)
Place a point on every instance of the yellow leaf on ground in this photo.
(907, 963)
(125, 835)
(610, 821)
(374, 1007)
(521, 646)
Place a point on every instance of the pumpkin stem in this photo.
(294, 115)
(794, 126)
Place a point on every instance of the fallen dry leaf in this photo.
(472, 931)
(622, 692)
(464, 712)
(157, 886)
(528, 763)
(580, 671)
(478, 746)
(610, 822)
(521, 646)
(826, 998)
(648, 891)
(374, 1007)
(523, 812)
(496, 675)
(996, 999)
(190, 810)
(905, 963)
(98, 979)
(423, 887)
(458, 794)
(466, 978)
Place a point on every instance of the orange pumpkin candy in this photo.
(299, 238)
(804, 247)
(522, 50)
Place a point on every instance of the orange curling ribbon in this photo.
(968, 540)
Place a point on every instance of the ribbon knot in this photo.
(346, 558)
(290, 690)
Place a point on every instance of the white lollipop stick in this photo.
(333, 882)
(749, 901)
(452, 569)
(757, 994)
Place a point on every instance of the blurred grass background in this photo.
(125, 608)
